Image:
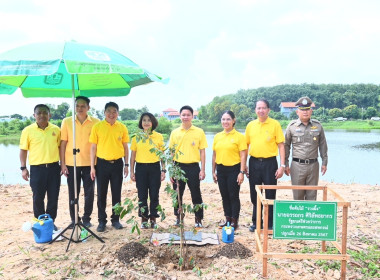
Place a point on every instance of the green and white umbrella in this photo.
(70, 69)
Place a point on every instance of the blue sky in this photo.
(206, 48)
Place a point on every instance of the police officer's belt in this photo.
(306, 161)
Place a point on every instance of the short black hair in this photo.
(41, 106)
(83, 98)
(263, 100)
(231, 114)
(152, 119)
(111, 104)
(186, 107)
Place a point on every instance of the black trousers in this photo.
(83, 173)
(107, 172)
(192, 174)
(45, 180)
(262, 172)
(148, 182)
(229, 189)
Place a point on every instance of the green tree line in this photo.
(332, 100)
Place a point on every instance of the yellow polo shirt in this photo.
(142, 148)
(42, 144)
(227, 147)
(263, 138)
(82, 134)
(188, 142)
(109, 139)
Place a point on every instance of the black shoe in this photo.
(144, 223)
(198, 223)
(252, 228)
(177, 222)
(117, 225)
(87, 224)
(101, 227)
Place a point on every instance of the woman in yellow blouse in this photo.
(228, 167)
(148, 175)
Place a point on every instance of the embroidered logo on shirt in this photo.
(54, 134)
(193, 143)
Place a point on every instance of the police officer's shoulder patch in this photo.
(292, 122)
(314, 120)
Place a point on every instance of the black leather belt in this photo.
(305, 161)
(148, 163)
(109, 161)
(264, 159)
(47, 165)
(187, 164)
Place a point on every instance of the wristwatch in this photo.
(126, 165)
(163, 170)
(242, 171)
(22, 167)
(283, 165)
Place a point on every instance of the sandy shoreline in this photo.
(22, 258)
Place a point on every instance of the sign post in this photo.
(303, 220)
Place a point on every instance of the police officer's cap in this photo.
(304, 103)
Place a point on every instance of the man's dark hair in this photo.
(152, 119)
(83, 98)
(231, 114)
(187, 107)
(41, 106)
(263, 100)
(111, 104)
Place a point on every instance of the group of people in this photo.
(101, 153)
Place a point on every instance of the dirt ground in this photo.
(126, 255)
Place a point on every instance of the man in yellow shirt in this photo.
(41, 139)
(190, 142)
(265, 139)
(109, 140)
(83, 126)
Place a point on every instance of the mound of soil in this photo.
(234, 250)
(201, 256)
(132, 251)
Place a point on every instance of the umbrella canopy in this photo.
(70, 69)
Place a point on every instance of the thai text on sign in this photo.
(304, 220)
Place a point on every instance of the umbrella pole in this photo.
(78, 226)
(76, 210)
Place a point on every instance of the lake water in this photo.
(347, 164)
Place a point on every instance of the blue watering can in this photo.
(228, 233)
(43, 229)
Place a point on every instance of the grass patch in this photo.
(367, 261)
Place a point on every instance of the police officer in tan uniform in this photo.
(306, 135)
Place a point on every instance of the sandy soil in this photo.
(22, 258)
